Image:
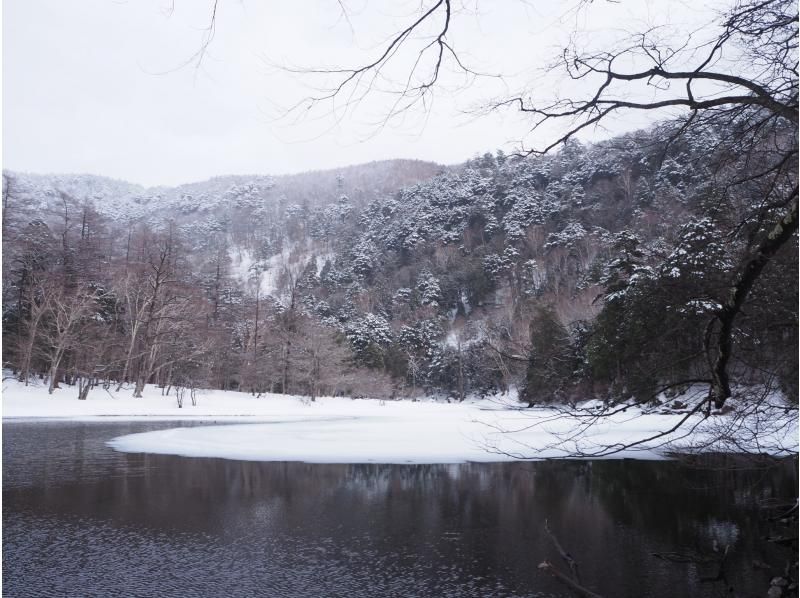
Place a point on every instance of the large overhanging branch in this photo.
(355, 83)
(595, 111)
(730, 95)
(767, 29)
(772, 88)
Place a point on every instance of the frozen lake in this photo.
(80, 519)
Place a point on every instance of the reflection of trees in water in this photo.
(484, 519)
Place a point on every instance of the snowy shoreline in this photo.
(344, 430)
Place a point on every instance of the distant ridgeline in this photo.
(592, 272)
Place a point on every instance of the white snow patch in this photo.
(290, 257)
(321, 259)
(273, 271)
(460, 339)
(465, 303)
(241, 261)
(451, 340)
(342, 430)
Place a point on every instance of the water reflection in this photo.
(81, 518)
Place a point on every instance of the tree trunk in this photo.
(54, 372)
(255, 345)
(84, 386)
(28, 352)
(285, 373)
(140, 382)
(718, 342)
(127, 368)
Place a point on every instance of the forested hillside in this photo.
(591, 272)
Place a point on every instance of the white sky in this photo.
(96, 86)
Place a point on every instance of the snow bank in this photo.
(341, 430)
(32, 401)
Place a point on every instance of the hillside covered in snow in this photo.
(589, 273)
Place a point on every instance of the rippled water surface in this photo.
(82, 520)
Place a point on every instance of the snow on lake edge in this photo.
(343, 430)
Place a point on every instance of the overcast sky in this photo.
(102, 86)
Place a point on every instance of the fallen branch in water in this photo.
(720, 576)
(548, 567)
(565, 556)
(574, 581)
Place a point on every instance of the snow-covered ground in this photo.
(342, 430)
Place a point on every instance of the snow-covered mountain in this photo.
(555, 272)
(40, 194)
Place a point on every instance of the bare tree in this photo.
(251, 367)
(65, 315)
(43, 291)
(157, 306)
(319, 359)
(286, 325)
(132, 291)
